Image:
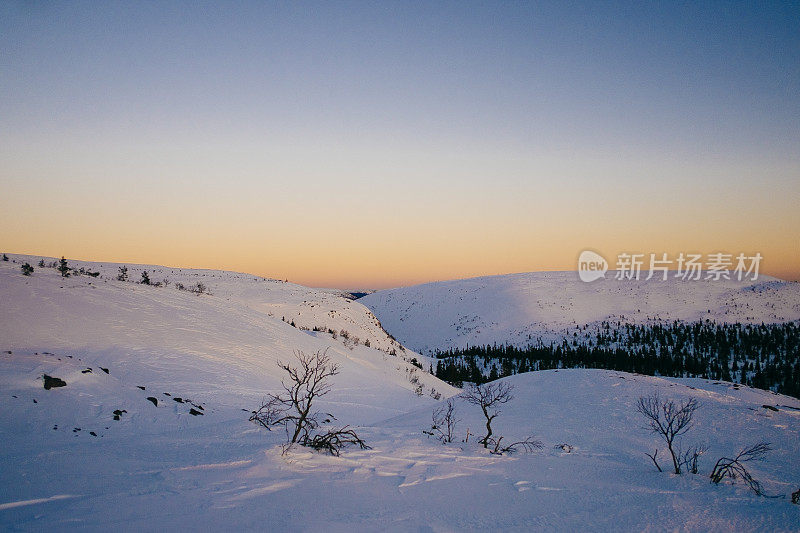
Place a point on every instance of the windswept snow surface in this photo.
(66, 464)
(518, 309)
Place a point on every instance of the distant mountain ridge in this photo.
(518, 309)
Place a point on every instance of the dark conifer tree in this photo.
(63, 267)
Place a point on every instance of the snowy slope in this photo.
(143, 330)
(159, 467)
(518, 308)
(306, 307)
(223, 474)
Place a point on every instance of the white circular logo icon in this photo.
(591, 266)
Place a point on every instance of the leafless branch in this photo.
(669, 420)
(489, 397)
(733, 468)
(444, 422)
(653, 457)
(527, 445)
(334, 440)
(688, 459)
(308, 380)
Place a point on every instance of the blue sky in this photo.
(480, 106)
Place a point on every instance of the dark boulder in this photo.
(51, 382)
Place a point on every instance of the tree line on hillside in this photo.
(765, 356)
(63, 268)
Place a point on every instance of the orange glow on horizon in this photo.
(348, 274)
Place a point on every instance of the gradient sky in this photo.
(376, 144)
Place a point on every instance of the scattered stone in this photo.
(151, 399)
(178, 399)
(51, 382)
(76, 430)
(104, 370)
(771, 408)
(92, 433)
(13, 395)
(167, 394)
(8, 352)
(140, 387)
(564, 447)
(34, 400)
(195, 412)
(87, 371)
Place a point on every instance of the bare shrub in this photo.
(668, 420)
(688, 459)
(489, 397)
(334, 440)
(734, 468)
(200, 288)
(308, 380)
(443, 422)
(527, 445)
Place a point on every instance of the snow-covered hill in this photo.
(308, 308)
(99, 454)
(520, 308)
(225, 344)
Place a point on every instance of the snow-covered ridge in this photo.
(520, 308)
(307, 307)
